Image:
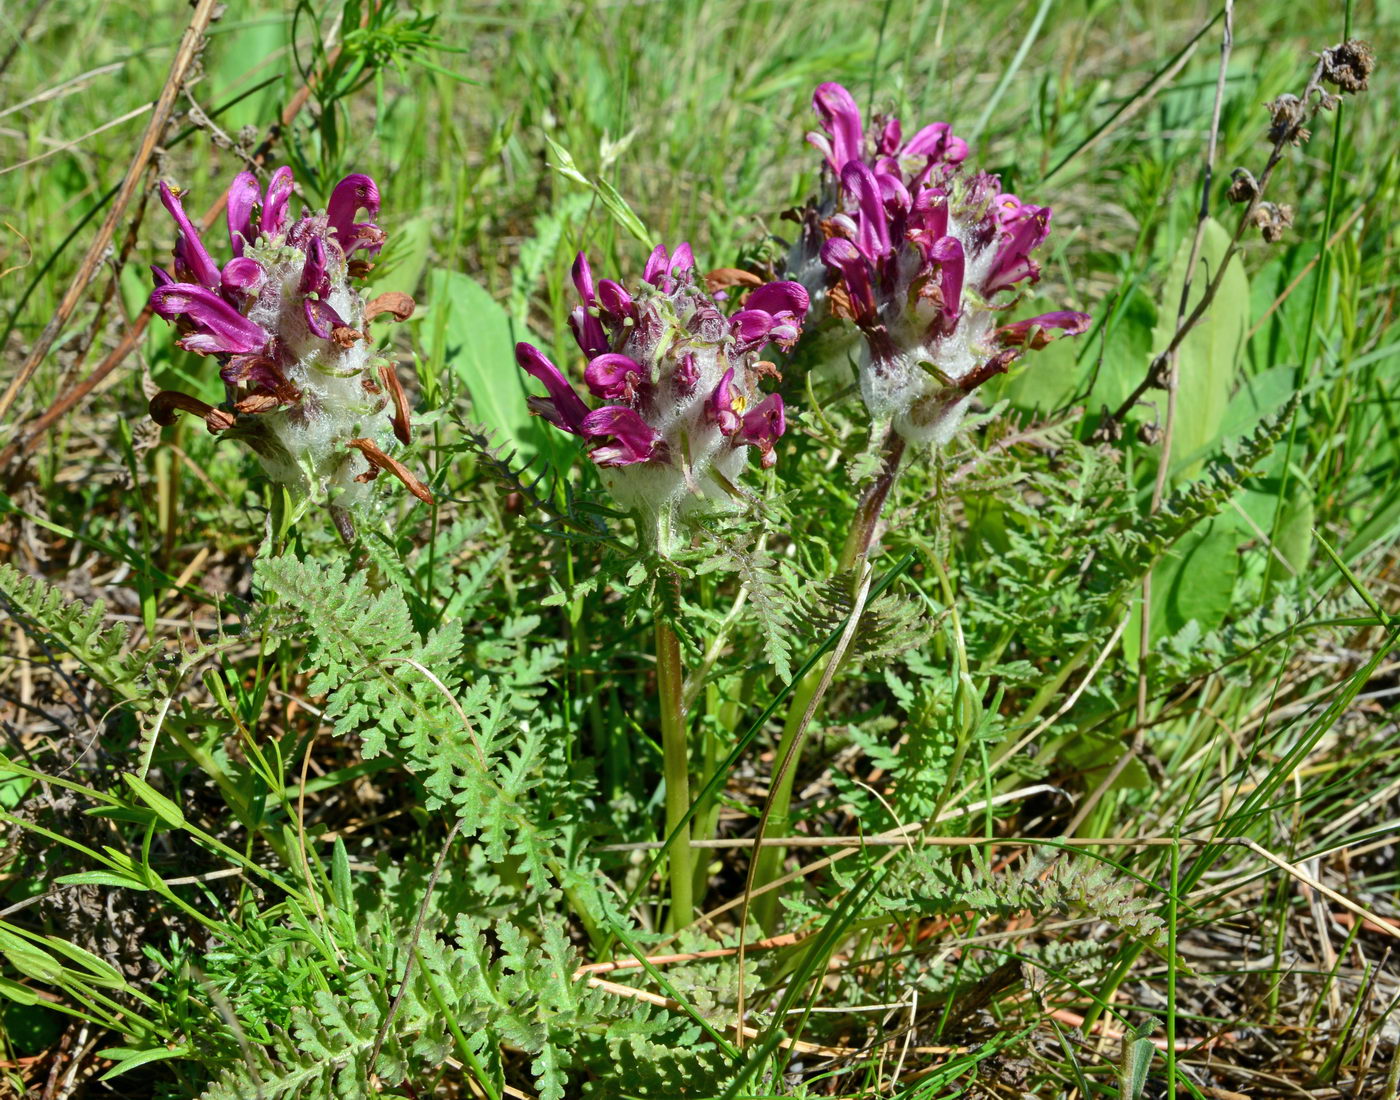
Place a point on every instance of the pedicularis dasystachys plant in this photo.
(305, 388)
(681, 382)
(925, 259)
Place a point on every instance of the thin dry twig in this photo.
(191, 43)
(1166, 363)
(38, 428)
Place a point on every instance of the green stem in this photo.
(862, 533)
(675, 752)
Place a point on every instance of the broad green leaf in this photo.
(1193, 582)
(1208, 356)
(1258, 397)
(470, 332)
(1094, 753)
(100, 878)
(21, 994)
(1260, 501)
(165, 809)
(133, 1059)
(1132, 1074)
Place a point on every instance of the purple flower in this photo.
(218, 328)
(284, 321)
(351, 195)
(243, 195)
(321, 317)
(932, 151)
(720, 406)
(925, 261)
(624, 438)
(681, 379)
(613, 375)
(563, 407)
(1035, 332)
(192, 260)
(275, 200)
(762, 425)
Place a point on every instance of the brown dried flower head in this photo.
(1272, 219)
(1243, 186)
(1286, 115)
(1349, 65)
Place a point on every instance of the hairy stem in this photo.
(675, 751)
(853, 554)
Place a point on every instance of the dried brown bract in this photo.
(393, 302)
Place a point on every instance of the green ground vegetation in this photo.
(280, 817)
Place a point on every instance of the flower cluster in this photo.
(680, 380)
(304, 386)
(926, 260)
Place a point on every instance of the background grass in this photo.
(694, 111)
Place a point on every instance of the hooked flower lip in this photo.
(220, 329)
(613, 375)
(190, 251)
(844, 142)
(840, 117)
(762, 426)
(243, 196)
(354, 193)
(563, 408)
(633, 439)
(1036, 332)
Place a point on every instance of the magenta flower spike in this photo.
(680, 382)
(926, 261)
(289, 329)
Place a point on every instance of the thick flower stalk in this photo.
(926, 260)
(304, 387)
(679, 382)
(681, 411)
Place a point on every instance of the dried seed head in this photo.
(1109, 430)
(1349, 65)
(1272, 220)
(1286, 120)
(1243, 186)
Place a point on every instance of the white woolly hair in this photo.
(309, 452)
(698, 451)
(902, 388)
